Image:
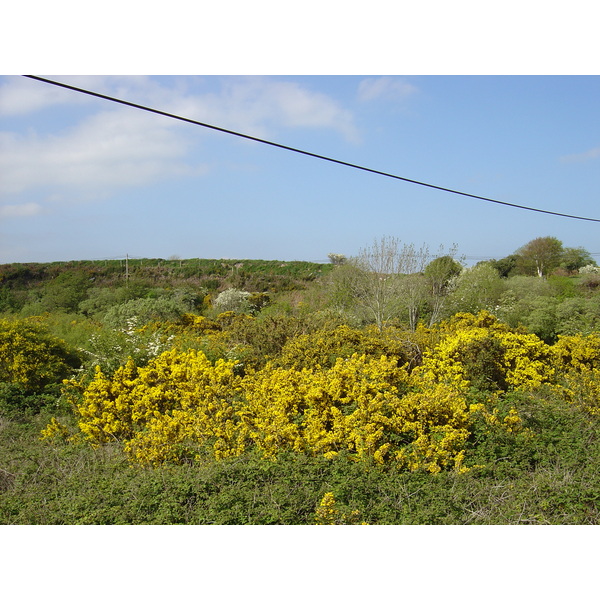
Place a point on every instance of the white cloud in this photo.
(258, 105)
(252, 102)
(118, 146)
(29, 209)
(111, 149)
(388, 88)
(591, 154)
(20, 95)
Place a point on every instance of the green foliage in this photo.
(505, 266)
(148, 310)
(578, 315)
(540, 256)
(521, 296)
(524, 414)
(17, 401)
(552, 479)
(66, 291)
(71, 286)
(573, 259)
(100, 299)
(441, 270)
(474, 289)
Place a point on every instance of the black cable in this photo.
(306, 153)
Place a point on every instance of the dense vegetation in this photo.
(395, 387)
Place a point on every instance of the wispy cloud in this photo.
(110, 149)
(110, 146)
(591, 154)
(260, 106)
(21, 96)
(28, 209)
(388, 88)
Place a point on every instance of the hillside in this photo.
(21, 283)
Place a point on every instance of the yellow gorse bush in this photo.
(577, 361)
(363, 405)
(478, 350)
(30, 357)
(180, 403)
(177, 402)
(328, 513)
(321, 349)
(324, 411)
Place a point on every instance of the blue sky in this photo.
(83, 178)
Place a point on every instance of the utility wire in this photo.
(306, 153)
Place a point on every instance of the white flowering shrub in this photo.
(337, 259)
(233, 300)
(110, 348)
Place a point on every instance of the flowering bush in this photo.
(479, 350)
(177, 403)
(323, 398)
(322, 348)
(110, 348)
(324, 411)
(180, 403)
(577, 361)
(32, 358)
(328, 513)
(233, 300)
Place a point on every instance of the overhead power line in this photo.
(304, 152)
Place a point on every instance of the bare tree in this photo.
(386, 280)
(371, 279)
(413, 285)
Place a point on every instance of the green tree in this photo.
(573, 259)
(505, 266)
(540, 256)
(440, 274)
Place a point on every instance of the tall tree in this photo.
(541, 255)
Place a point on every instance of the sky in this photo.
(85, 178)
(464, 98)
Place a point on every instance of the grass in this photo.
(554, 479)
